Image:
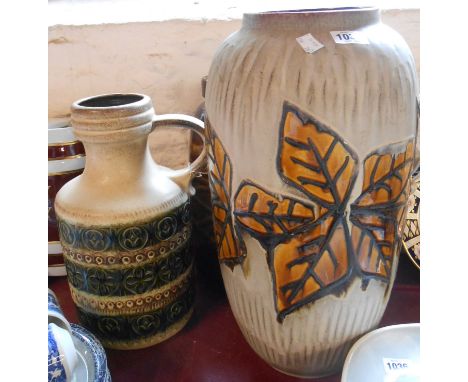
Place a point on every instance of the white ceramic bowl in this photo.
(389, 354)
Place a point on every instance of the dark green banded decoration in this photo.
(140, 327)
(125, 223)
(148, 284)
(128, 238)
(130, 280)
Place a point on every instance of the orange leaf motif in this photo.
(377, 214)
(231, 249)
(306, 243)
(315, 160)
(310, 249)
(306, 254)
(308, 263)
(264, 214)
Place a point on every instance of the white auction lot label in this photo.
(349, 37)
(309, 43)
(392, 365)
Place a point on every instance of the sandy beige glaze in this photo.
(120, 180)
(125, 225)
(367, 95)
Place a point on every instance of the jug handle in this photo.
(183, 176)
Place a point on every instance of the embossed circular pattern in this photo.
(157, 299)
(129, 281)
(166, 227)
(125, 238)
(96, 240)
(67, 235)
(137, 326)
(133, 257)
(133, 238)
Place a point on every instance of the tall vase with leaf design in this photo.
(312, 142)
(125, 225)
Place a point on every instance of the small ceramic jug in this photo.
(125, 225)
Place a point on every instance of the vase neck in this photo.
(313, 19)
(117, 162)
(114, 129)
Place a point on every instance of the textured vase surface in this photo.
(124, 227)
(310, 156)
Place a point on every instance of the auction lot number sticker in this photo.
(349, 37)
(396, 364)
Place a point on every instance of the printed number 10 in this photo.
(344, 36)
(395, 366)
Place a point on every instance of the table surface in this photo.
(211, 347)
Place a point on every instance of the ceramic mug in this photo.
(62, 357)
(66, 160)
(55, 312)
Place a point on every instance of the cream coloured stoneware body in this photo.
(125, 227)
(366, 94)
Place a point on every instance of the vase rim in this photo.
(317, 10)
(107, 113)
(111, 101)
(339, 17)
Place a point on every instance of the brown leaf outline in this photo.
(265, 215)
(308, 257)
(377, 214)
(310, 265)
(230, 246)
(315, 160)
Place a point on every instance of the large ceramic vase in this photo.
(311, 150)
(125, 225)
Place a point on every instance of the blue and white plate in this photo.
(92, 361)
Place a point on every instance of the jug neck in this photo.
(349, 18)
(114, 129)
(126, 161)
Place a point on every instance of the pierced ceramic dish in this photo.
(92, 361)
(389, 354)
(411, 234)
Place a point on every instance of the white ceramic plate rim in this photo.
(85, 340)
(81, 362)
(358, 344)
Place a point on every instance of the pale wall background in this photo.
(109, 46)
